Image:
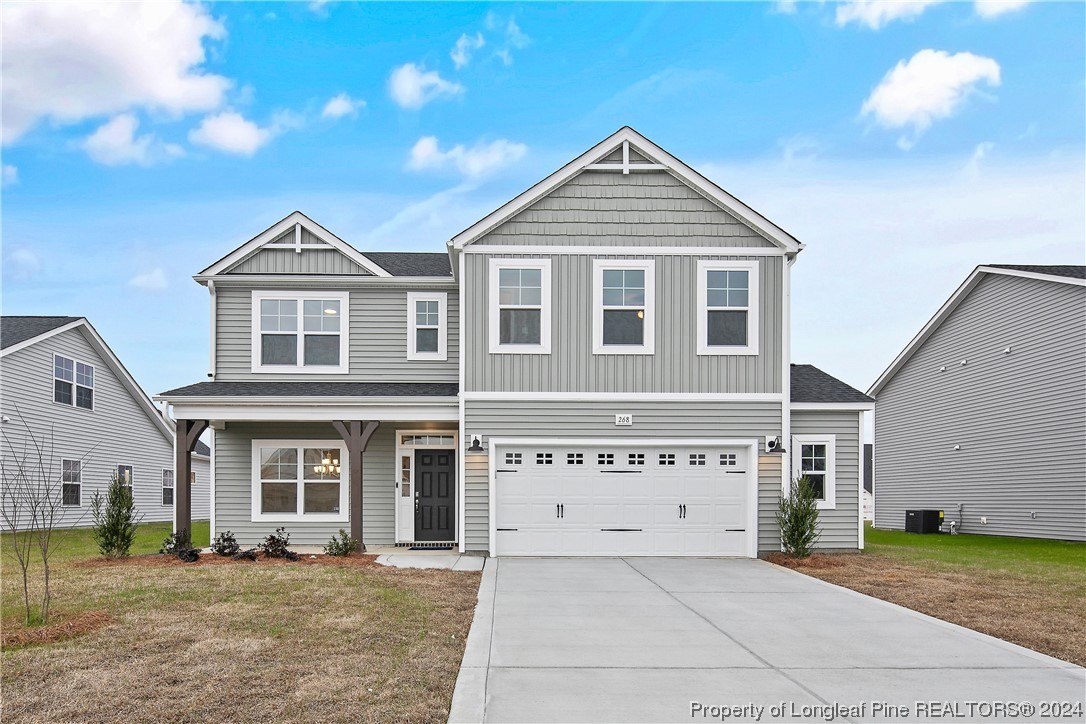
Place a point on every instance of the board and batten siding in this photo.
(572, 366)
(565, 422)
(839, 527)
(234, 481)
(118, 431)
(378, 337)
(1018, 416)
(614, 209)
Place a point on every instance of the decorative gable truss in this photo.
(295, 245)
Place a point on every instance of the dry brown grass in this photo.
(317, 640)
(1043, 613)
(59, 629)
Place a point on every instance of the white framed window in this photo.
(815, 456)
(71, 483)
(427, 330)
(623, 306)
(167, 487)
(520, 306)
(73, 382)
(727, 310)
(300, 480)
(124, 472)
(300, 332)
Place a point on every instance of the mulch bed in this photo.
(15, 634)
(210, 559)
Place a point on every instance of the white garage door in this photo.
(621, 501)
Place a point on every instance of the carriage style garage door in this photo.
(569, 500)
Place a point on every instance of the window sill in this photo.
(427, 357)
(826, 504)
(288, 370)
(620, 350)
(520, 349)
(727, 351)
(303, 518)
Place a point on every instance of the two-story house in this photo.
(599, 367)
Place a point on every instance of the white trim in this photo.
(353, 282)
(860, 490)
(461, 466)
(754, 302)
(342, 516)
(604, 251)
(344, 299)
(317, 412)
(211, 489)
(495, 443)
(74, 382)
(652, 153)
(442, 299)
(786, 370)
(648, 345)
(295, 219)
(948, 307)
(830, 479)
(396, 463)
(212, 346)
(494, 308)
(804, 406)
(627, 396)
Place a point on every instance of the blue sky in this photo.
(904, 143)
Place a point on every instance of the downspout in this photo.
(214, 331)
(786, 377)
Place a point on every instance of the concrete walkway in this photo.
(654, 639)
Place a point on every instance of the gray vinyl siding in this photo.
(476, 502)
(118, 431)
(613, 209)
(652, 419)
(377, 345)
(769, 490)
(234, 481)
(572, 366)
(1018, 417)
(326, 260)
(840, 527)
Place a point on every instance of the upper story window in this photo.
(427, 336)
(814, 457)
(300, 332)
(73, 382)
(624, 303)
(727, 307)
(520, 306)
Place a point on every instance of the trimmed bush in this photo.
(341, 544)
(115, 519)
(797, 519)
(225, 544)
(275, 545)
(176, 542)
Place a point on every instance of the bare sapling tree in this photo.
(31, 505)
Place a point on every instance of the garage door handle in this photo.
(684, 511)
(562, 508)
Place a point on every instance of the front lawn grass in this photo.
(1028, 591)
(73, 544)
(316, 640)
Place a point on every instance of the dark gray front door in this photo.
(435, 490)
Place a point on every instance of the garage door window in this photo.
(727, 459)
(636, 459)
(667, 459)
(512, 458)
(814, 459)
(697, 459)
(544, 458)
(574, 458)
(605, 459)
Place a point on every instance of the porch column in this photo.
(356, 434)
(186, 434)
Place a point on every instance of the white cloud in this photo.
(475, 162)
(989, 9)
(785, 7)
(515, 36)
(9, 176)
(505, 56)
(68, 61)
(23, 263)
(511, 36)
(152, 280)
(115, 144)
(342, 105)
(980, 152)
(465, 46)
(799, 148)
(319, 7)
(929, 86)
(876, 14)
(413, 87)
(231, 132)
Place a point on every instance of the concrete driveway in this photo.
(651, 639)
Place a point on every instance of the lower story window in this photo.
(124, 472)
(299, 480)
(167, 487)
(815, 462)
(71, 482)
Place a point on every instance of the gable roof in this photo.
(273, 232)
(1060, 274)
(413, 263)
(656, 159)
(810, 384)
(17, 330)
(99, 345)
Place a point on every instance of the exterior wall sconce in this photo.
(476, 445)
(774, 445)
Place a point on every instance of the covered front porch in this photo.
(385, 469)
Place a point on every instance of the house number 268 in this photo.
(624, 419)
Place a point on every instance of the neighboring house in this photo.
(983, 415)
(59, 378)
(598, 367)
(869, 476)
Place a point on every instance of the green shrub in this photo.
(115, 519)
(225, 544)
(275, 545)
(176, 542)
(342, 544)
(797, 519)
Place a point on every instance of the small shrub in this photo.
(176, 542)
(188, 555)
(225, 545)
(797, 519)
(275, 545)
(341, 544)
(246, 555)
(115, 519)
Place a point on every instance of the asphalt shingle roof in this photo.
(316, 389)
(1056, 270)
(810, 384)
(412, 264)
(202, 448)
(14, 330)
